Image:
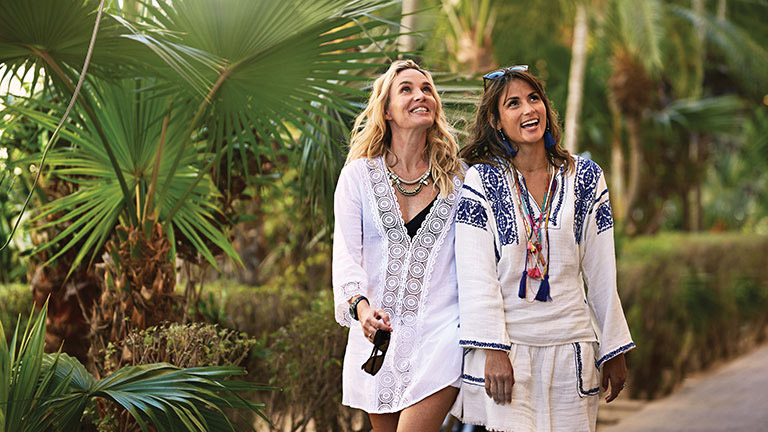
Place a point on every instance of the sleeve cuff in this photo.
(467, 343)
(347, 290)
(620, 350)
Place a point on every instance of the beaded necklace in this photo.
(398, 182)
(535, 238)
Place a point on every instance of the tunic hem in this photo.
(455, 383)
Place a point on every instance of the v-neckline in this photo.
(401, 220)
(529, 195)
(426, 210)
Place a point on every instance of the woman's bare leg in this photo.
(384, 422)
(428, 414)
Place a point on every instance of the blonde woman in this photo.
(394, 274)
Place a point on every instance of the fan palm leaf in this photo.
(132, 121)
(281, 65)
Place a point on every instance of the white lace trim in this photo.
(405, 275)
(348, 290)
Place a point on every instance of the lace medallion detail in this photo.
(408, 262)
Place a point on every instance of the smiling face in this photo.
(412, 102)
(522, 113)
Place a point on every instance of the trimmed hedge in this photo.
(691, 300)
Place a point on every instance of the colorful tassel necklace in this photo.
(537, 238)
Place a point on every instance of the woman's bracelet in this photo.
(353, 306)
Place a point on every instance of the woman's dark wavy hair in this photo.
(485, 146)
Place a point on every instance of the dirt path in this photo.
(733, 397)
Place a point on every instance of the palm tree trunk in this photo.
(576, 78)
(694, 142)
(635, 160)
(408, 24)
(618, 183)
(722, 5)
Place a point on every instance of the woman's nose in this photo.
(527, 108)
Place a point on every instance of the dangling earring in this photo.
(512, 152)
(549, 142)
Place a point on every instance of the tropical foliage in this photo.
(209, 134)
(41, 391)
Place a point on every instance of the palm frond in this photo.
(712, 115)
(642, 30)
(748, 59)
(278, 73)
(131, 119)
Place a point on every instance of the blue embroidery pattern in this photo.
(471, 212)
(477, 344)
(560, 179)
(582, 392)
(604, 217)
(471, 189)
(500, 199)
(587, 175)
(469, 379)
(614, 353)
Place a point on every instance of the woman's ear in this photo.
(492, 122)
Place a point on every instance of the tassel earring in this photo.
(549, 142)
(512, 152)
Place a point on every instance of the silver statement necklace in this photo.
(398, 182)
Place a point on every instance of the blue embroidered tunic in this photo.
(584, 312)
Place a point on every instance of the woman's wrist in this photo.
(358, 305)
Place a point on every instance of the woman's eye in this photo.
(511, 103)
(427, 90)
(405, 89)
(535, 97)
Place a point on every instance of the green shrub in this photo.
(188, 345)
(42, 392)
(305, 360)
(691, 300)
(258, 311)
(181, 345)
(15, 301)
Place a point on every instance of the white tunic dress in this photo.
(413, 280)
(556, 347)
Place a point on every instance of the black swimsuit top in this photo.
(413, 225)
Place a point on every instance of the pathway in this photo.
(733, 397)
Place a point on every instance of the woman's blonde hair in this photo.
(371, 136)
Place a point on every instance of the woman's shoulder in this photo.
(586, 166)
(357, 167)
(485, 169)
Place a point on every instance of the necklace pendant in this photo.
(531, 248)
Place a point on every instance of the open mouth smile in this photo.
(530, 124)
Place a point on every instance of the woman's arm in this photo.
(483, 324)
(598, 265)
(349, 277)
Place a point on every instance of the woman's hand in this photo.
(372, 319)
(499, 376)
(615, 372)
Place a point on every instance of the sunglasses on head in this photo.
(503, 71)
(375, 361)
